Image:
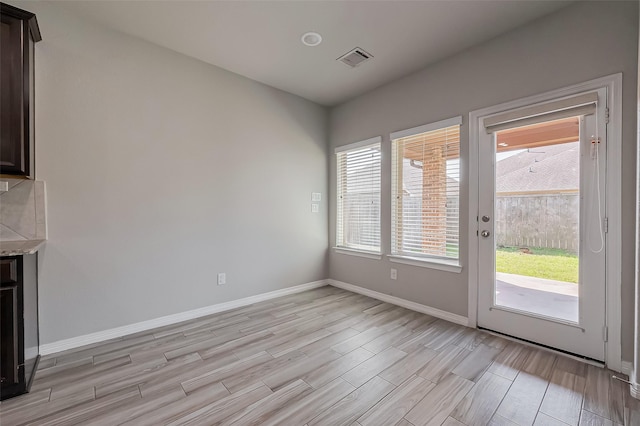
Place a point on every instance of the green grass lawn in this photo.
(552, 264)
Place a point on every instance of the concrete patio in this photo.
(550, 298)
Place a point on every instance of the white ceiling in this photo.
(261, 39)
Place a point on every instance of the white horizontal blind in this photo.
(426, 193)
(358, 212)
(568, 107)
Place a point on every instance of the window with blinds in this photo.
(358, 209)
(426, 191)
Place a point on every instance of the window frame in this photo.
(344, 249)
(443, 263)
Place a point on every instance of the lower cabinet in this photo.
(19, 340)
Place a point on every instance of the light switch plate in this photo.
(315, 208)
(316, 196)
(4, 186)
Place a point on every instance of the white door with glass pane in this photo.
(542, 223)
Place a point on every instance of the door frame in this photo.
(613, 291)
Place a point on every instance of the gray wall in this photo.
(162, 171)
(556, 51)
(635, 374)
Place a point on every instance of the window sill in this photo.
(441, 265)
(359, 253)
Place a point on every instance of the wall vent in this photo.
(355, 57)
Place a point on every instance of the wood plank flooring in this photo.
(322, 357)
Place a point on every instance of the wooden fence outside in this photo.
(539, 220)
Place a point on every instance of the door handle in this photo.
(485, 233)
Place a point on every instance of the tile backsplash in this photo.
(22, 211)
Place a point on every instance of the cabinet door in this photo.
(13, 149)
(9, 335)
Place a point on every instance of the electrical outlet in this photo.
(394, 274)
(222, 278)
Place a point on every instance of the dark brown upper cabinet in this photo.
(19, 32)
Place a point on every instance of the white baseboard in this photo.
(438, 313)
(634, 387)
(634, 390)
(113, 333)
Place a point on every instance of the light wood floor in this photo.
(323, 357)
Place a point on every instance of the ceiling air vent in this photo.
(355, 57)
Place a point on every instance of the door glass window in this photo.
(537, 214)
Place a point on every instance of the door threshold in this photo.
(556, 351)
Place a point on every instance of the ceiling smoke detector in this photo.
(355, 57)
(311, 39)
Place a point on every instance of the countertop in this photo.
(17, 248)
